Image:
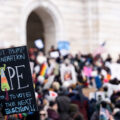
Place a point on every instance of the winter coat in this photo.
(98, 82)
(53, 114)
(82, 102)
(63, 107)
(82, 108)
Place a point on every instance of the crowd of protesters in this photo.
(59, 82)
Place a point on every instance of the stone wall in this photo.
(84, 23)
(109, 17)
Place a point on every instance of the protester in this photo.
(68, 76)
(53, 111)
(59, 82)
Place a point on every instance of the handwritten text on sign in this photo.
(16, 81)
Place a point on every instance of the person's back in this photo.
(52, 110)
(63, 107)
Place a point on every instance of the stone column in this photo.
(92, 8)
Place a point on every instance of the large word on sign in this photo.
(16, 86)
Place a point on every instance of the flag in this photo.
(43, 69)
(100, 49)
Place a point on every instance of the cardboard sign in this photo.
(16, 86)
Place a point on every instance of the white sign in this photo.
(54, 54)
(64, 52)
(39, 44)
(115, 70)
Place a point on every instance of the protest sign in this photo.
(39, 44)
(54, 54)
(68, 75)
(64, 52)
(115, 70)
(16, 93)
(87, 71)
(64, 47)
(97, 95)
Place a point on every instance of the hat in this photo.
(56, 86)
(40, 79)
(73, 108)
(41, 59)
(67, 61)
(52, 103)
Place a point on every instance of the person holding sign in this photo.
(17, 94)
(68, 76)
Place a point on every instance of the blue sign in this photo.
(63, 45)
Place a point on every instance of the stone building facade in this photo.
(84, 23)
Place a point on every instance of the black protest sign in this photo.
(16, 86)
